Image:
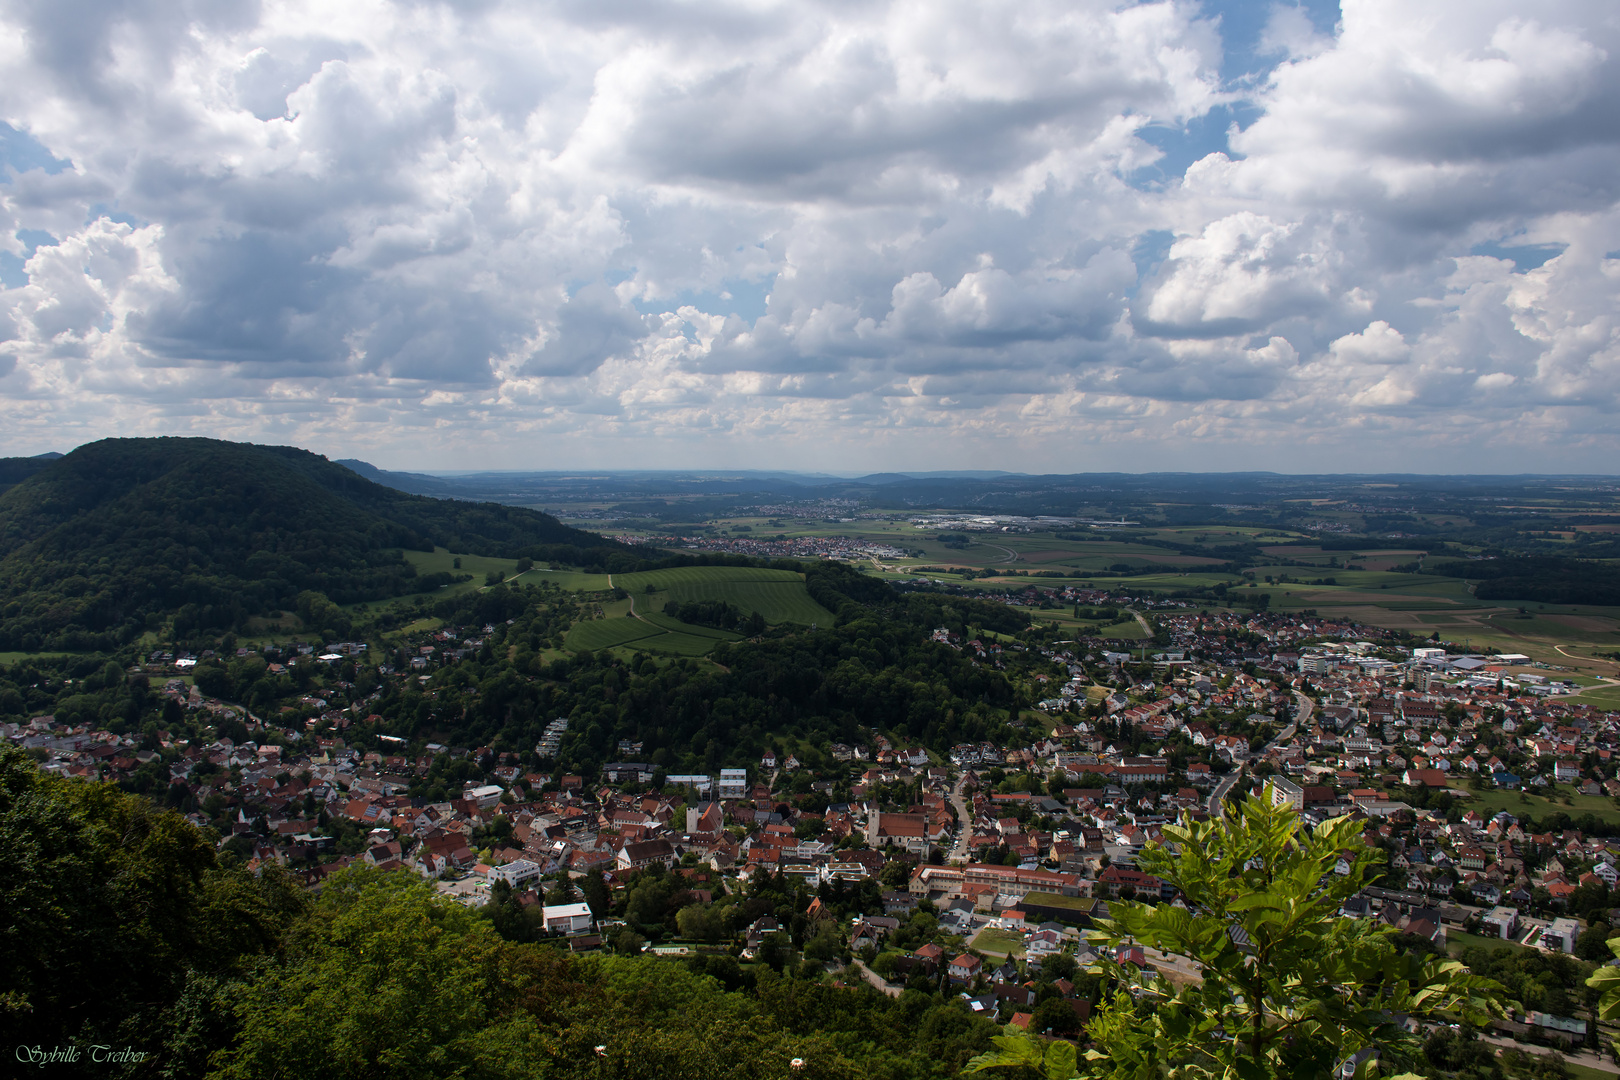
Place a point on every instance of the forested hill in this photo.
(103, 543)
(14, 470)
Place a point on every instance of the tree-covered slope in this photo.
(14, 470)
(114, 536)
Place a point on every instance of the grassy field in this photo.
(1457, 941)
(572, 580)
(994, 942)
(594, 634)
(477, 565)
(654, 632)
(679, 644)
(1058, 900)
(675, 626)
(1577, 1071)
(1606, 696)
(1489, 802)
(480, 566)
(13, 657)
(778, 595)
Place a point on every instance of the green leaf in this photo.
(1060, 1061)
(1011, 1051)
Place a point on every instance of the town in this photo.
(974, 867)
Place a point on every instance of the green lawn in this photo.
(1489, 802)
(1058, 900)
(994, 942)
(1578, 1071)
(1457, 941)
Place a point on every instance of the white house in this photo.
(518, 873)
(569, 918)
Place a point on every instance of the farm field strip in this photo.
(596, 634)
(777, 603)
(675, 626)
(661, 580)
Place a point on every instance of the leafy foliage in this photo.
(115, 910)
(1289, 989)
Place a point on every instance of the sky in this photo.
(1373, 235)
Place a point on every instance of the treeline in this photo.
(1542, 579)
(720, 614)
(149, 941)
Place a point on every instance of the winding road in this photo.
(1012, 556)
(1306, 708)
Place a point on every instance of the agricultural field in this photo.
(778, 595)
(1570, 638)
(665, 635)
(675, 626)
(570, 580)
(594, 634)
(480, 567)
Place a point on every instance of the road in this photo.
(1306, 709)
(1217, 797)
(964, 819)
(1302, 715)
(1577, 1056)
(877, 980)
(1012, 556)
(1140, 621)
(1173, 967)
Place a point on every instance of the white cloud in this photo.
(1380, 343)
(814, 233)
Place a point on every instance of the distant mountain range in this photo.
(101, 542)
(692, 494)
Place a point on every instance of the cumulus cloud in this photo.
(1380, 343)
(811, 233)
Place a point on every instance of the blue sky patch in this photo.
(746, 299)
(20, 152)
(12, 273)
(1523, 256)
(1243, 24)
